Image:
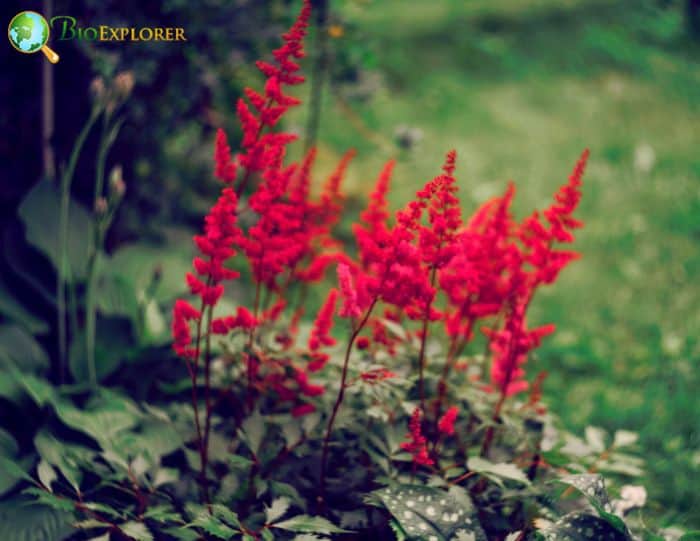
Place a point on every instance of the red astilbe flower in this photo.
(446, 424)
(263, 150)
(221, 234)
(417, 444)
(225, 168)
(510, 347)
(538, 239)
(320, 332)
(476, 281)
(373, 236)
(350, 307)
(183, 313)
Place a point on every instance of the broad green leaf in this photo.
(309, 524)
(102, 420)
(137, 531)
(114, 343)
(427, 513)
(498, 471)
(40, 213)
(21, 520)
(12, 309)
(20, 348)
(276, 510)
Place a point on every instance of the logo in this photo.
(29, 32)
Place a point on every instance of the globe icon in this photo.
(28, 33)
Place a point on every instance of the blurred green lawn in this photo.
(519, 88)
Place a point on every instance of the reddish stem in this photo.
(339, 400)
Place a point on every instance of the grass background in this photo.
(519, 88)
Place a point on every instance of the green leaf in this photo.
(114, 343)
(496, 472)
(583, 527)
(137, 531)
(212, 525)
(47, 475)
(20, 348)
(276, 510)
(309, 524)
(12, 309)
(624, 438)
(691, 536)
(21, 520)
(253, 431)
(595, 438)
(227, 515)
(39, 390)
(13, 470)
(67, 458)
(40, 213)
(51, 500)
(103, 419)
(427, 512)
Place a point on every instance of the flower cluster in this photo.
(425, 264)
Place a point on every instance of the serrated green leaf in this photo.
(50, 500)
(212, 525)
(227, 515)
(137, 531)
(309, 524)
(276, 510)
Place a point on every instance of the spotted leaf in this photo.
(431, 514)
(583, 527)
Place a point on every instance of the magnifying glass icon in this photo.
(28, 32)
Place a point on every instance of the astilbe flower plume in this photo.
(417, 445)
(446, 424)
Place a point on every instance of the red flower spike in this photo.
(350, 306)
(446, 424)
(417, 444)
(320, 332)
(225, 168)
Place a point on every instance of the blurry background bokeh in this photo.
(517, 87)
